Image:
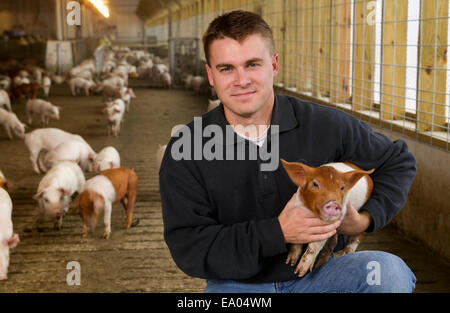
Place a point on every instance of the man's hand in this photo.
(354, 222)
(300, 225)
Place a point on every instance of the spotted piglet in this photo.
(101, 192)
(326, 190)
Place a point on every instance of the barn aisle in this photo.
(134, 260)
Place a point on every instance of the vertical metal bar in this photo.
(363, 59)
(394, 64)
(58, 16)
(433, 111)
(296, 45)
(331, 53)
(352, 54)
(418, 113)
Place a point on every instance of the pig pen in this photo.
(137, 259)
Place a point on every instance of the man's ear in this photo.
(297, 172)
(209, 72)
(275, 64)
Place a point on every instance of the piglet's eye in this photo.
(342, 188)
(315, 184)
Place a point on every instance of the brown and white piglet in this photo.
(101, 192)
(326, 190)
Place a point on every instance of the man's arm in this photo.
(354, 222)
(395, 169)
(199, 245)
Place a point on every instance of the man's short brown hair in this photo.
(237, 25)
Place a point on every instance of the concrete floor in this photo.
(137, 259)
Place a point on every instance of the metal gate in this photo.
(184, 59)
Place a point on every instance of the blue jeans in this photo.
(363, 271)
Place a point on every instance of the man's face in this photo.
(242, 75)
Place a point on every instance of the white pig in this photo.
(159, 156)
(107, 158)
(4, 100)
(114, 113)
(58, 79)
(166, 80)
(162, 148)
(55, 191)
(115, 81)
(5, 82)
(46, 139)
(198, 84)
(188, 81)
(43, 108)
(127, 94)
(77, 83)
(72, 150)
(11, 124)
(46, 84)
(8, 239)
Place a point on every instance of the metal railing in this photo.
(384, 61)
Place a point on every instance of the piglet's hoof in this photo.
(106, 235)
(135, 223)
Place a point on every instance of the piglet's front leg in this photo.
(307, 261)
(350, 246)
(327, 251)
(294, 254)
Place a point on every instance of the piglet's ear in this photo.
(298, 172)
(38, 195)
(352, 177)
(64, 192)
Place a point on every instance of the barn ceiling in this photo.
(150, 8)
(126, 6)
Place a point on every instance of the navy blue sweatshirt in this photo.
(220, 216)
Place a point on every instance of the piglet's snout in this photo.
(57, 213)
(331, 210)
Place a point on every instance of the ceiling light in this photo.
(101, 7)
